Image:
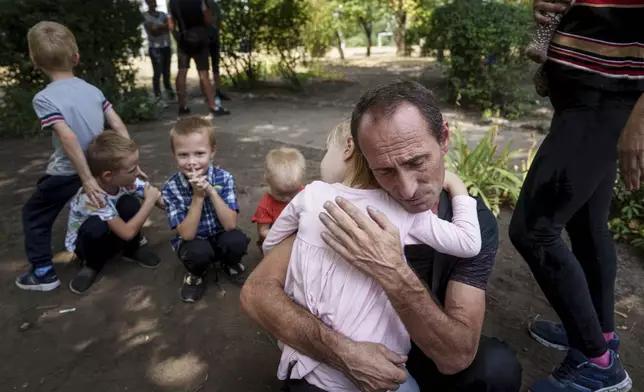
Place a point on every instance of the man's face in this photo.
(405, 157)
(152, 4)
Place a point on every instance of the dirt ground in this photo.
(131, 332)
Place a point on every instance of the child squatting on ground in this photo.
(74, 112)
(201, 204)
(96, 234)
(284, 173)
(344, 298)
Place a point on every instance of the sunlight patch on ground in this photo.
(143, 332)
(177, 372)
(137, 299)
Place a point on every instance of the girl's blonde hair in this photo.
(358, 174)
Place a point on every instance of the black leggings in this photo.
(570, 186)
(160, 58)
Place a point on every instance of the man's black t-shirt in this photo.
(187, 13)
(437, 269)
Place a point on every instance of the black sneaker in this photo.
(30, 281)
(237, 273)
(553, 335)
(184, 111)
(144, 258)
(219, 111)
(170, 95)
(83, 281)
(193, 288)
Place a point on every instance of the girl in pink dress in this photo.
(341, 296)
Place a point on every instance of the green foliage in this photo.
(627, 223)
(486, 170)
(364, 13)
(486, 43)
(137, 105)
(319, 35)
(16, 112)
(108, 36)
(272, 27)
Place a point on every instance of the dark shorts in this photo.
(200, 57)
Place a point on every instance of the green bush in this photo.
(16, 112)
(319, 34)
(108, 36)
(273, 27)
(486, 171)
(627, 221)
(137, 105)
(482, 46)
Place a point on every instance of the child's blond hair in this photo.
(107, 151)
(286, 167)
(358, 174)
(193, 124)
(52, 46)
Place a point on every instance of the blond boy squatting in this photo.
(201, 204)
(285, 171)
(97, 234)
(74, 112)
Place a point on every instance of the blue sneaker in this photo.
(577, 374)
(46, 282)
(552, 334)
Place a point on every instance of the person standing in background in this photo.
(156, 28)
(215, 47)
(188, 22)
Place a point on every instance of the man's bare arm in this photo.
(449, 336)
(264, 300)
(371, 366)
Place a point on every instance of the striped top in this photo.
(78, 104)
(605, 40)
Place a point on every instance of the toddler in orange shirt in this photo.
(285, 171)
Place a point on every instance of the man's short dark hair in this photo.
(382, 102)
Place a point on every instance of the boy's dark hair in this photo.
(107, 150)
(381, 103)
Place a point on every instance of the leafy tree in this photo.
(365, 13)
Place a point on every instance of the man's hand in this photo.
(94, 192)
(372, 367)
(631, 149)
(371, 244)
(542, 7)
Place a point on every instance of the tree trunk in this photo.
(401, 28)
(339, 37)
(368, 28)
